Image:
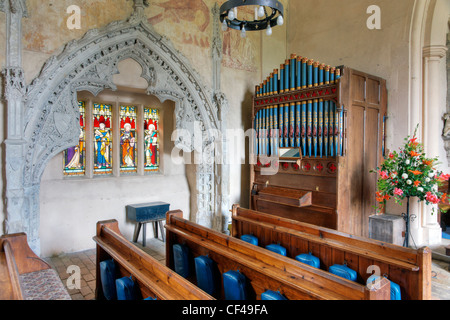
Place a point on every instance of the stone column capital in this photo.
(434, 52)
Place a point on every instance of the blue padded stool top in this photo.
(234, 285)
(147, 211)
(108, 279)
(127, 289)
(272, 295)
(395, 288)
(277, 249)
(181, 260)
(343, 271)
(204, 269)
(309, 259)
(250, 239)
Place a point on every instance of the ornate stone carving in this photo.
(51, 111)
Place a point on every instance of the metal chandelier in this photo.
(268, 13)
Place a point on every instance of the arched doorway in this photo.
(51, 118)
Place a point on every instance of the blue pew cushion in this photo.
(395, 288)
(343, 271)
(108, 277)
(204, 269)
(309, 259)
(234, 285)
(272, 295)
(277, 249)
(127, 289)
(181, 260)
(250, 239)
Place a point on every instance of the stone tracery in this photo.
(51, 118)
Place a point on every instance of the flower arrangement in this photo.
(409, 173)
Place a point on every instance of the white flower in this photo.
(420, 189)
(431, 174)
(393, 175)
(408, 181)
(407, 162)
(405, 176)
(427, 179)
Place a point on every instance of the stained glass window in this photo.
(151, 139)
(102, 114)
(128, 139)
(75, 157)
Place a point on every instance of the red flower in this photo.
(413, 142)
(398, 191)
(383, 174)
(432, 198)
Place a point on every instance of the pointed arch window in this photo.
(115, 139)
(128, 139)
(103, 144)
(75, 157)
(151, 140)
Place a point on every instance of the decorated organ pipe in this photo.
(296, 106)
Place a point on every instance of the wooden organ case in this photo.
(331, 122)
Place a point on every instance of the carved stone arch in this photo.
(51, 110)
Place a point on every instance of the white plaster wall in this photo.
(335, 33)
(64, 209)
(71, 206)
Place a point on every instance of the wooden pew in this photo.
(19, 266)
(153, 278)
(265, 270)
(409, 268)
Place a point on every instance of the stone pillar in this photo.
(18, 197)
(434, 100)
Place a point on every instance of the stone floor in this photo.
(86, 262)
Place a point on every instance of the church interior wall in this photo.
(331, 32)
(70, 207)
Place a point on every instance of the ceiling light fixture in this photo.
(268, 14)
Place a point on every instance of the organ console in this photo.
(331, 123)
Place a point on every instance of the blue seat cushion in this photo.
(309, 259)
(234, 285)
(127, 289)
(204, 269)
(277, 249)
(395, 288)
(272, 295)
(250, 239)
(343, 271)
(181, 260)
(108, 277)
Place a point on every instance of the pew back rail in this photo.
(153, 278)
(409, 268)
(264, 269)
(20, 266)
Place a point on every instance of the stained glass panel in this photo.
(102, 114)
(128, 146)
(75, 157)
(151, 139)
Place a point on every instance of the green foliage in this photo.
(409, 173)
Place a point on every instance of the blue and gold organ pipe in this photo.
(314, 124)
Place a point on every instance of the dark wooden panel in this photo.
(358, 85)
(373, 91)
(315, 215)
